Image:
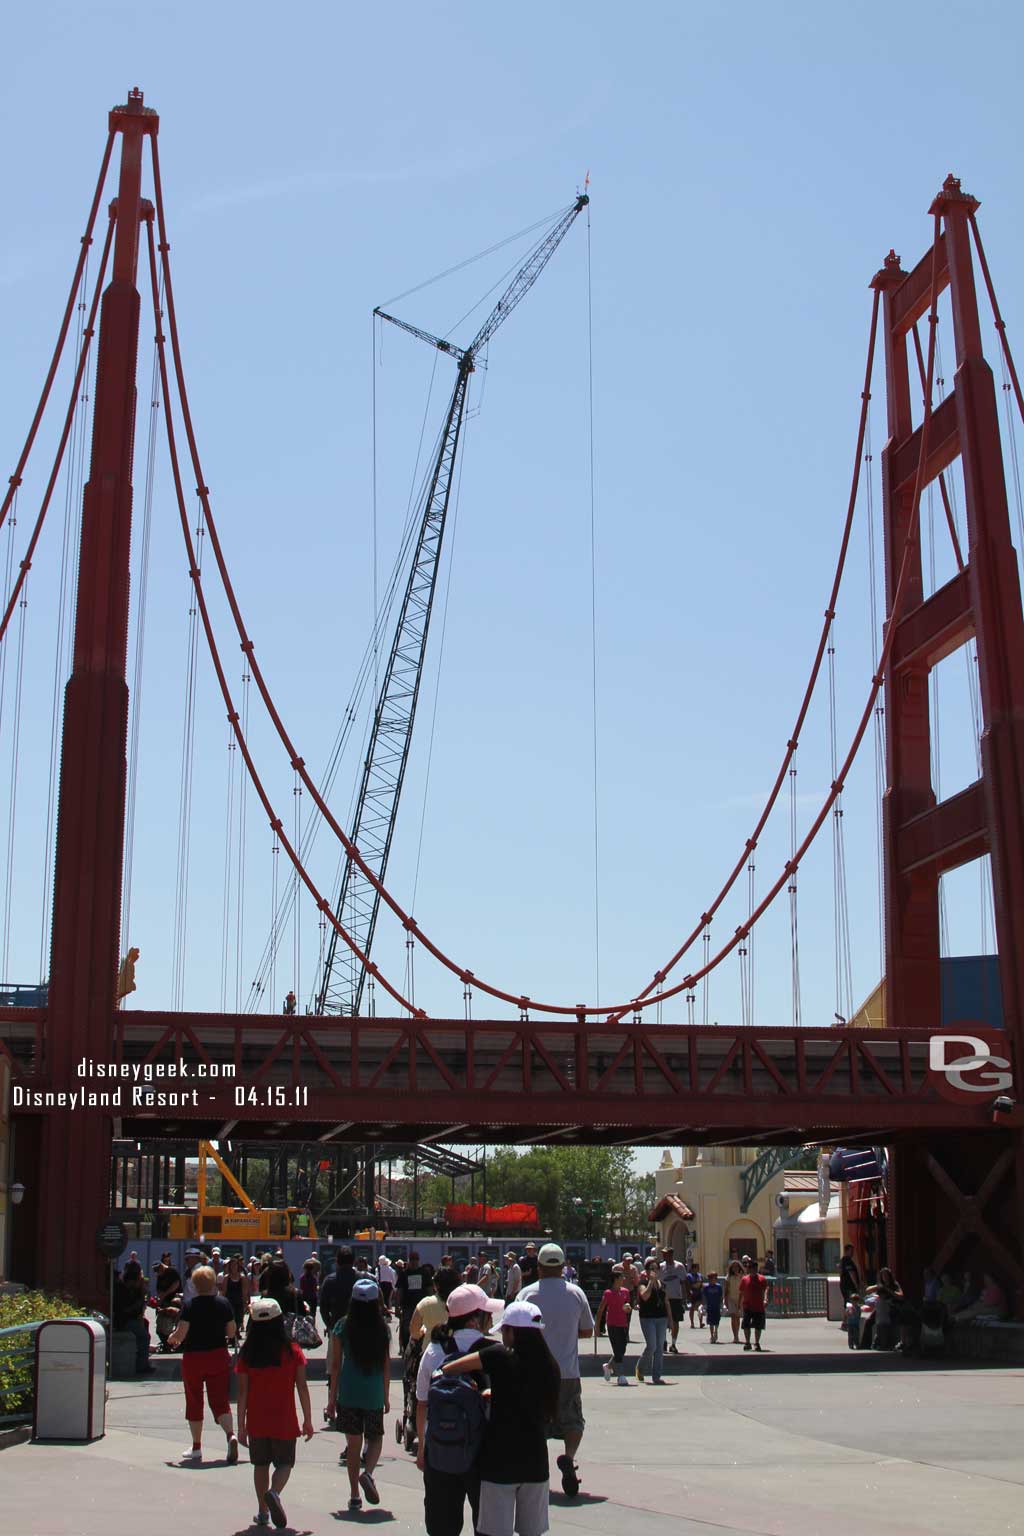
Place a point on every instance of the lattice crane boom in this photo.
(343, 977)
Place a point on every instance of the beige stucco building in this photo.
(698, 1206)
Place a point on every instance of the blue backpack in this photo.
(455, 1423)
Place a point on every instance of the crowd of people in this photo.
(880, 1315)
(490, 1358)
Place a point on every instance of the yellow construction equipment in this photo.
(227, 1221)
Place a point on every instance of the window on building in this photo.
(822, 1255)
(782, 1255)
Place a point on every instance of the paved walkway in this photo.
(805, 1440)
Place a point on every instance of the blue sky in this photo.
(750, 167)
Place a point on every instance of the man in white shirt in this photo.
(673, 1278)
(513, 1278)
(567, 1319)
(470, 1315)
(386, 1277)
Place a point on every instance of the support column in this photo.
(90, 820)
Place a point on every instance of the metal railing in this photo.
(17, 1368)
(17, 1355)
(798, 1296)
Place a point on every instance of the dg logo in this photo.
(969, 1064)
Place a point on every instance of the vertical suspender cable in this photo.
(188, 743)
(19, 679)
(593, 613)
(275, 850)
(229, 840)
(64, 637)
(243, 784)
(794, 937)
(297, 904)
(140, 643)
(879, 710)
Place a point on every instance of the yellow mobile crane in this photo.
(249, 1221)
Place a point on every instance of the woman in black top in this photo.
(524, 1387)
(234, 1287)
(205, 1325)
(655, 1315)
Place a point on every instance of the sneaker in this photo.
(261, 1517)
(623, 1381)
(193, 1457)
(369, 1487)
(355, 1503)
(606, 1370)
(233, 1451)
(673, 1350)
(277, 1514)
(657, 1381)
(570, 1481)
(757, 1349)
(746, 1346)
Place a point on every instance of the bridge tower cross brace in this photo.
(75, 1147)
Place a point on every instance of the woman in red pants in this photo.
(205, 1325)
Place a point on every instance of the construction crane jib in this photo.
(343, 976)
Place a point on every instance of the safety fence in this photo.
(798, 1296)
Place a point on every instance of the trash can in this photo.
(70, 1370)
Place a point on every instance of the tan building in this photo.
(710, 1204)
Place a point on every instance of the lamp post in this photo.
(16, 1194)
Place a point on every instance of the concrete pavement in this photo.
(811, 1438)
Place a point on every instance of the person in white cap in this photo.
(470, 1315)
(567, 1319)
(524, 1380)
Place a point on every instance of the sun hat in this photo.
(551, 1255)
(365, 1290)
(263, 1309)
(522, 1314)
(466, 1299)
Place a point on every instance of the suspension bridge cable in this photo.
(37, 527)
(195, 575)
(140, 647)
(578, 1010)
(791, 746)
(227, 902)
(86, 242)
(19, 683)
(188, 743)
(64, 636)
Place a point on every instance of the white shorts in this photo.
(513, 1509)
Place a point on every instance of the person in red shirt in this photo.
(614, 1311)
(753, 1288)
(271, 1369)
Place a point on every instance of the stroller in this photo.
(405, 1427)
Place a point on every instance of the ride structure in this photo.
(943, 1103)
(343, 977)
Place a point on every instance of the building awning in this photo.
(671, 1205)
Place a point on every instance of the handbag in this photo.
(302, 1331)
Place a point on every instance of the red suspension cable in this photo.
(232, 713)
(467, 977)
(1000, 323)
(58, 350)
(87, 335)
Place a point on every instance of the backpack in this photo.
(455, 1422)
